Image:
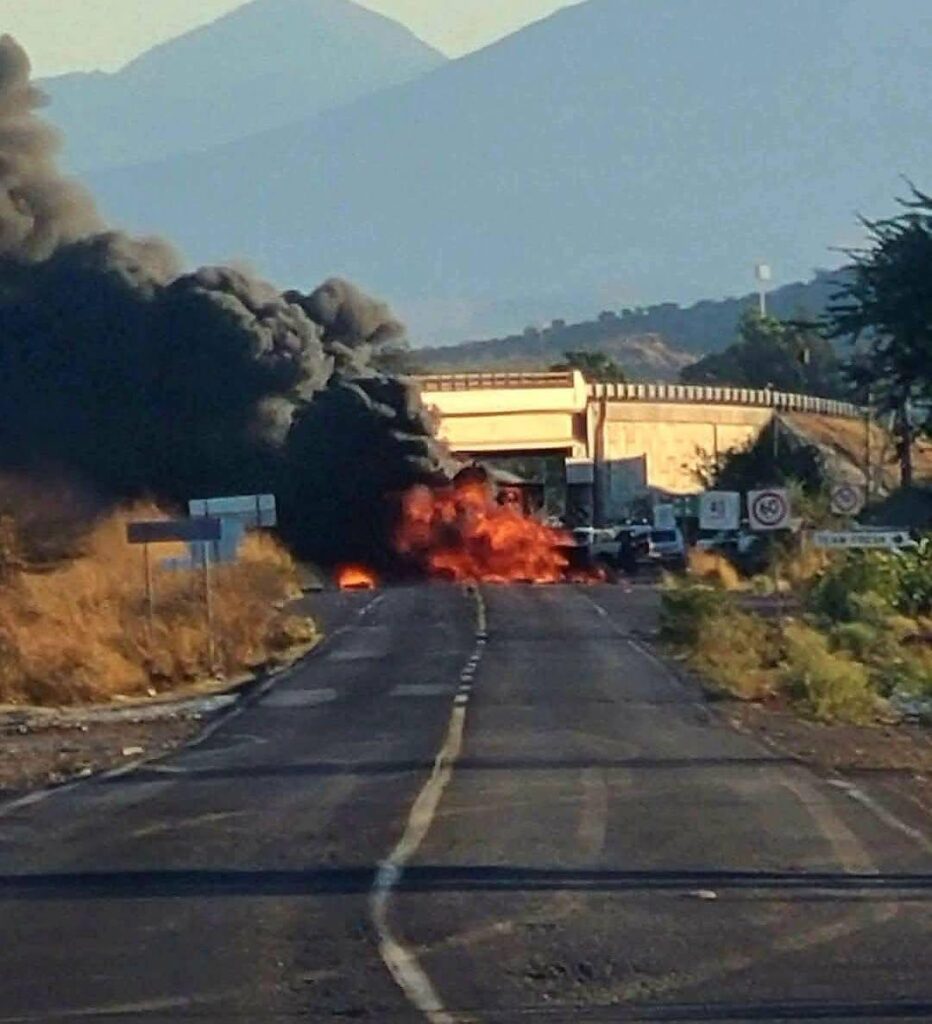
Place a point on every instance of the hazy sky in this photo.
(69, 35)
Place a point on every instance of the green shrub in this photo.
(685, 613)
(828, 685)
(835, 594)
(733, 651)
(893, 581)
(738, 654)
(864, 641)
(915, 581)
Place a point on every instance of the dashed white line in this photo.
(401, 961)
(287, 699)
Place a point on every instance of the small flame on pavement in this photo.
(356, 577)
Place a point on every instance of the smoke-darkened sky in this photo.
(71, 35)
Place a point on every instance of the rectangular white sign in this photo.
(720, 510)
(852, 540)
(769, 509)
(580, 472)
(664, 517)
(254, 510)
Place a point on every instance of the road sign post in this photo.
(173, 531)
(239, 514)
(862, 540)
(720, 510)
(847, 499)
(209, 613)
(150, 599)
(769, 509)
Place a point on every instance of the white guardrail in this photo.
(696, 393)
(706, 394)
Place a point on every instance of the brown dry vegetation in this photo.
(714, 568)
(848, 437)
(78, 632)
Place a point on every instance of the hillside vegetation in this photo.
(653, 343)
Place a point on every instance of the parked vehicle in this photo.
(738, 542)
(667, 548)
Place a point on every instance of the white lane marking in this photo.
(852, 791)
(299, 698)
(365, 643)
(401, 961)
(881, 812)
(421, 690)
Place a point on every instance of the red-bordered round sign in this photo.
(769, 509)
(847, 500)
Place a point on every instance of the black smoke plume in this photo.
(121, 370)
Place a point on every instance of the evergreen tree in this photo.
(885, 310)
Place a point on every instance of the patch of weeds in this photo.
(825, 684)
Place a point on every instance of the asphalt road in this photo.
(565, 832)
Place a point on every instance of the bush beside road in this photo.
(851, 640)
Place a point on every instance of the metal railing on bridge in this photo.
(767, 398)
(493, 380)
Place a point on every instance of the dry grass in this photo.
(712, 567)
(734, 651)
(79, 634)
(801, 565)
(848, 438)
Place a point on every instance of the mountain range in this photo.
(264, 65)
(618, 153)
(654, 343)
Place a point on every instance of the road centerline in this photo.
(402, 962)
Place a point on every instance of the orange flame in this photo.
(356, 577)
(461, 533)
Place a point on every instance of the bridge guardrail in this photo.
(766, 398)
(782, 401)
(492, 379)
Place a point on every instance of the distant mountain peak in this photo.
(618, 153)
(257, 67)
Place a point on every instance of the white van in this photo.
(667, 547)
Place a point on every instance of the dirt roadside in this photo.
(45, 747)
(37, 753)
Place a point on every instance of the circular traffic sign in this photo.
(846, 499)
(769, 509)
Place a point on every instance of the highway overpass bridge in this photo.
(620, 441)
